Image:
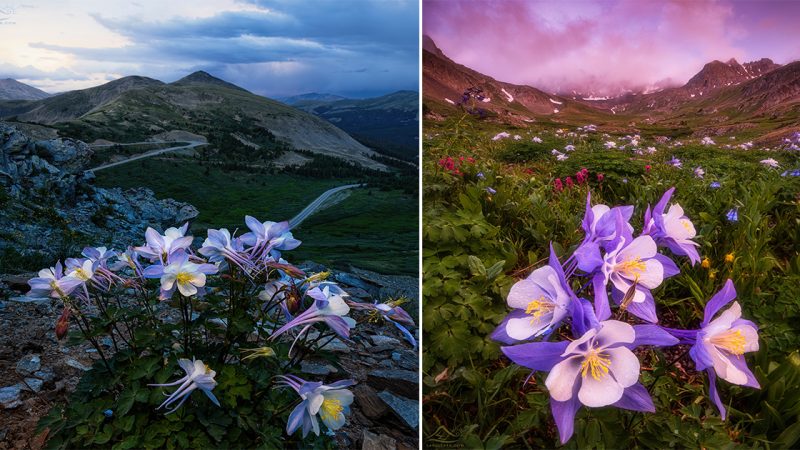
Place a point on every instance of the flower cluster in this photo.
(598, 368)
(453, 165)
(581, 177)
(265, 301)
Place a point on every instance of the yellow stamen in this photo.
(330, 409)
(706, 263)
(538, 308)
(81, 274)
(686, 224)
(731, 341)
(184, 277)
(596, 363)
(55, 287)
(632, 266)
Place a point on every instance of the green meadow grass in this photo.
(370, 229)
(477, 244)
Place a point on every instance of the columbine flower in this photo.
(675, 162)
(391, 312)
(268, 238)
(480, 175)
(699, 172)
(128, 259)
(537, 139)
(673, 229)
(714, 185)
(599, 224)
(331, 402)
(100, 254)
(631, 264)
(491, 191)
(219, 246)
(198, 376)
(82, 269)
(770, 162)
(160, 247)
(569, 148)
(562, 157)
(189, 278)
(719, 346)
(707, 141)
(539, 302)
(610, 144)
(328, 307)
(597, 369)
(53, 283)
(733, 215)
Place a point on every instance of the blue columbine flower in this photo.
(491, 190)
(481, 175)
(108, 413)
(714, 185)
(198, 376)
(733, 215)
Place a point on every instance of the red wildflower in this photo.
(558, 185)
(570, 184)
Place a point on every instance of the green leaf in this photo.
(476, 266)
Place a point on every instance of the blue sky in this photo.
(355, 48)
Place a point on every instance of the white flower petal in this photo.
(602, 392)
(624, 365)
(561, 380)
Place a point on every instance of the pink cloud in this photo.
(600, 45)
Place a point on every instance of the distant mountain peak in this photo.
(429, 45)
(717, 74)
(11, 89)
(203, 77)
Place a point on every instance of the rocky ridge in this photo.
(48, 204)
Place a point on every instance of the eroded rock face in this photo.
(48, 203)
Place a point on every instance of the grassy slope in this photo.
(353, 232)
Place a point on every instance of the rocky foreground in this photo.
(38, 371)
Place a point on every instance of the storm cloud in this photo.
(275, 48)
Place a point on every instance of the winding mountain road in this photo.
(189, 144)
(317, 203)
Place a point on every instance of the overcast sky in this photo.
(609, 43)
(355, 48)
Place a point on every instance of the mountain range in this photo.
(389, 122)
(136, 108)
(11, 89)
(722, 97)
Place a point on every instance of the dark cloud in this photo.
(275, 48)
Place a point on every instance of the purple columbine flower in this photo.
(181, 274)
(540, 302)
(393, 313)
(714, 185)
(597, 369)
(129, 259)
(268, 238)
(219, 246)
(331, 402)
(719, 345)
(491, 191)
(480, 175)
(160, 247)
(733, 215)
(198, 376)
(675, 162)
(52, 282)
(672, 229)
(328, 307)
(631, 262)
(599, 225)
